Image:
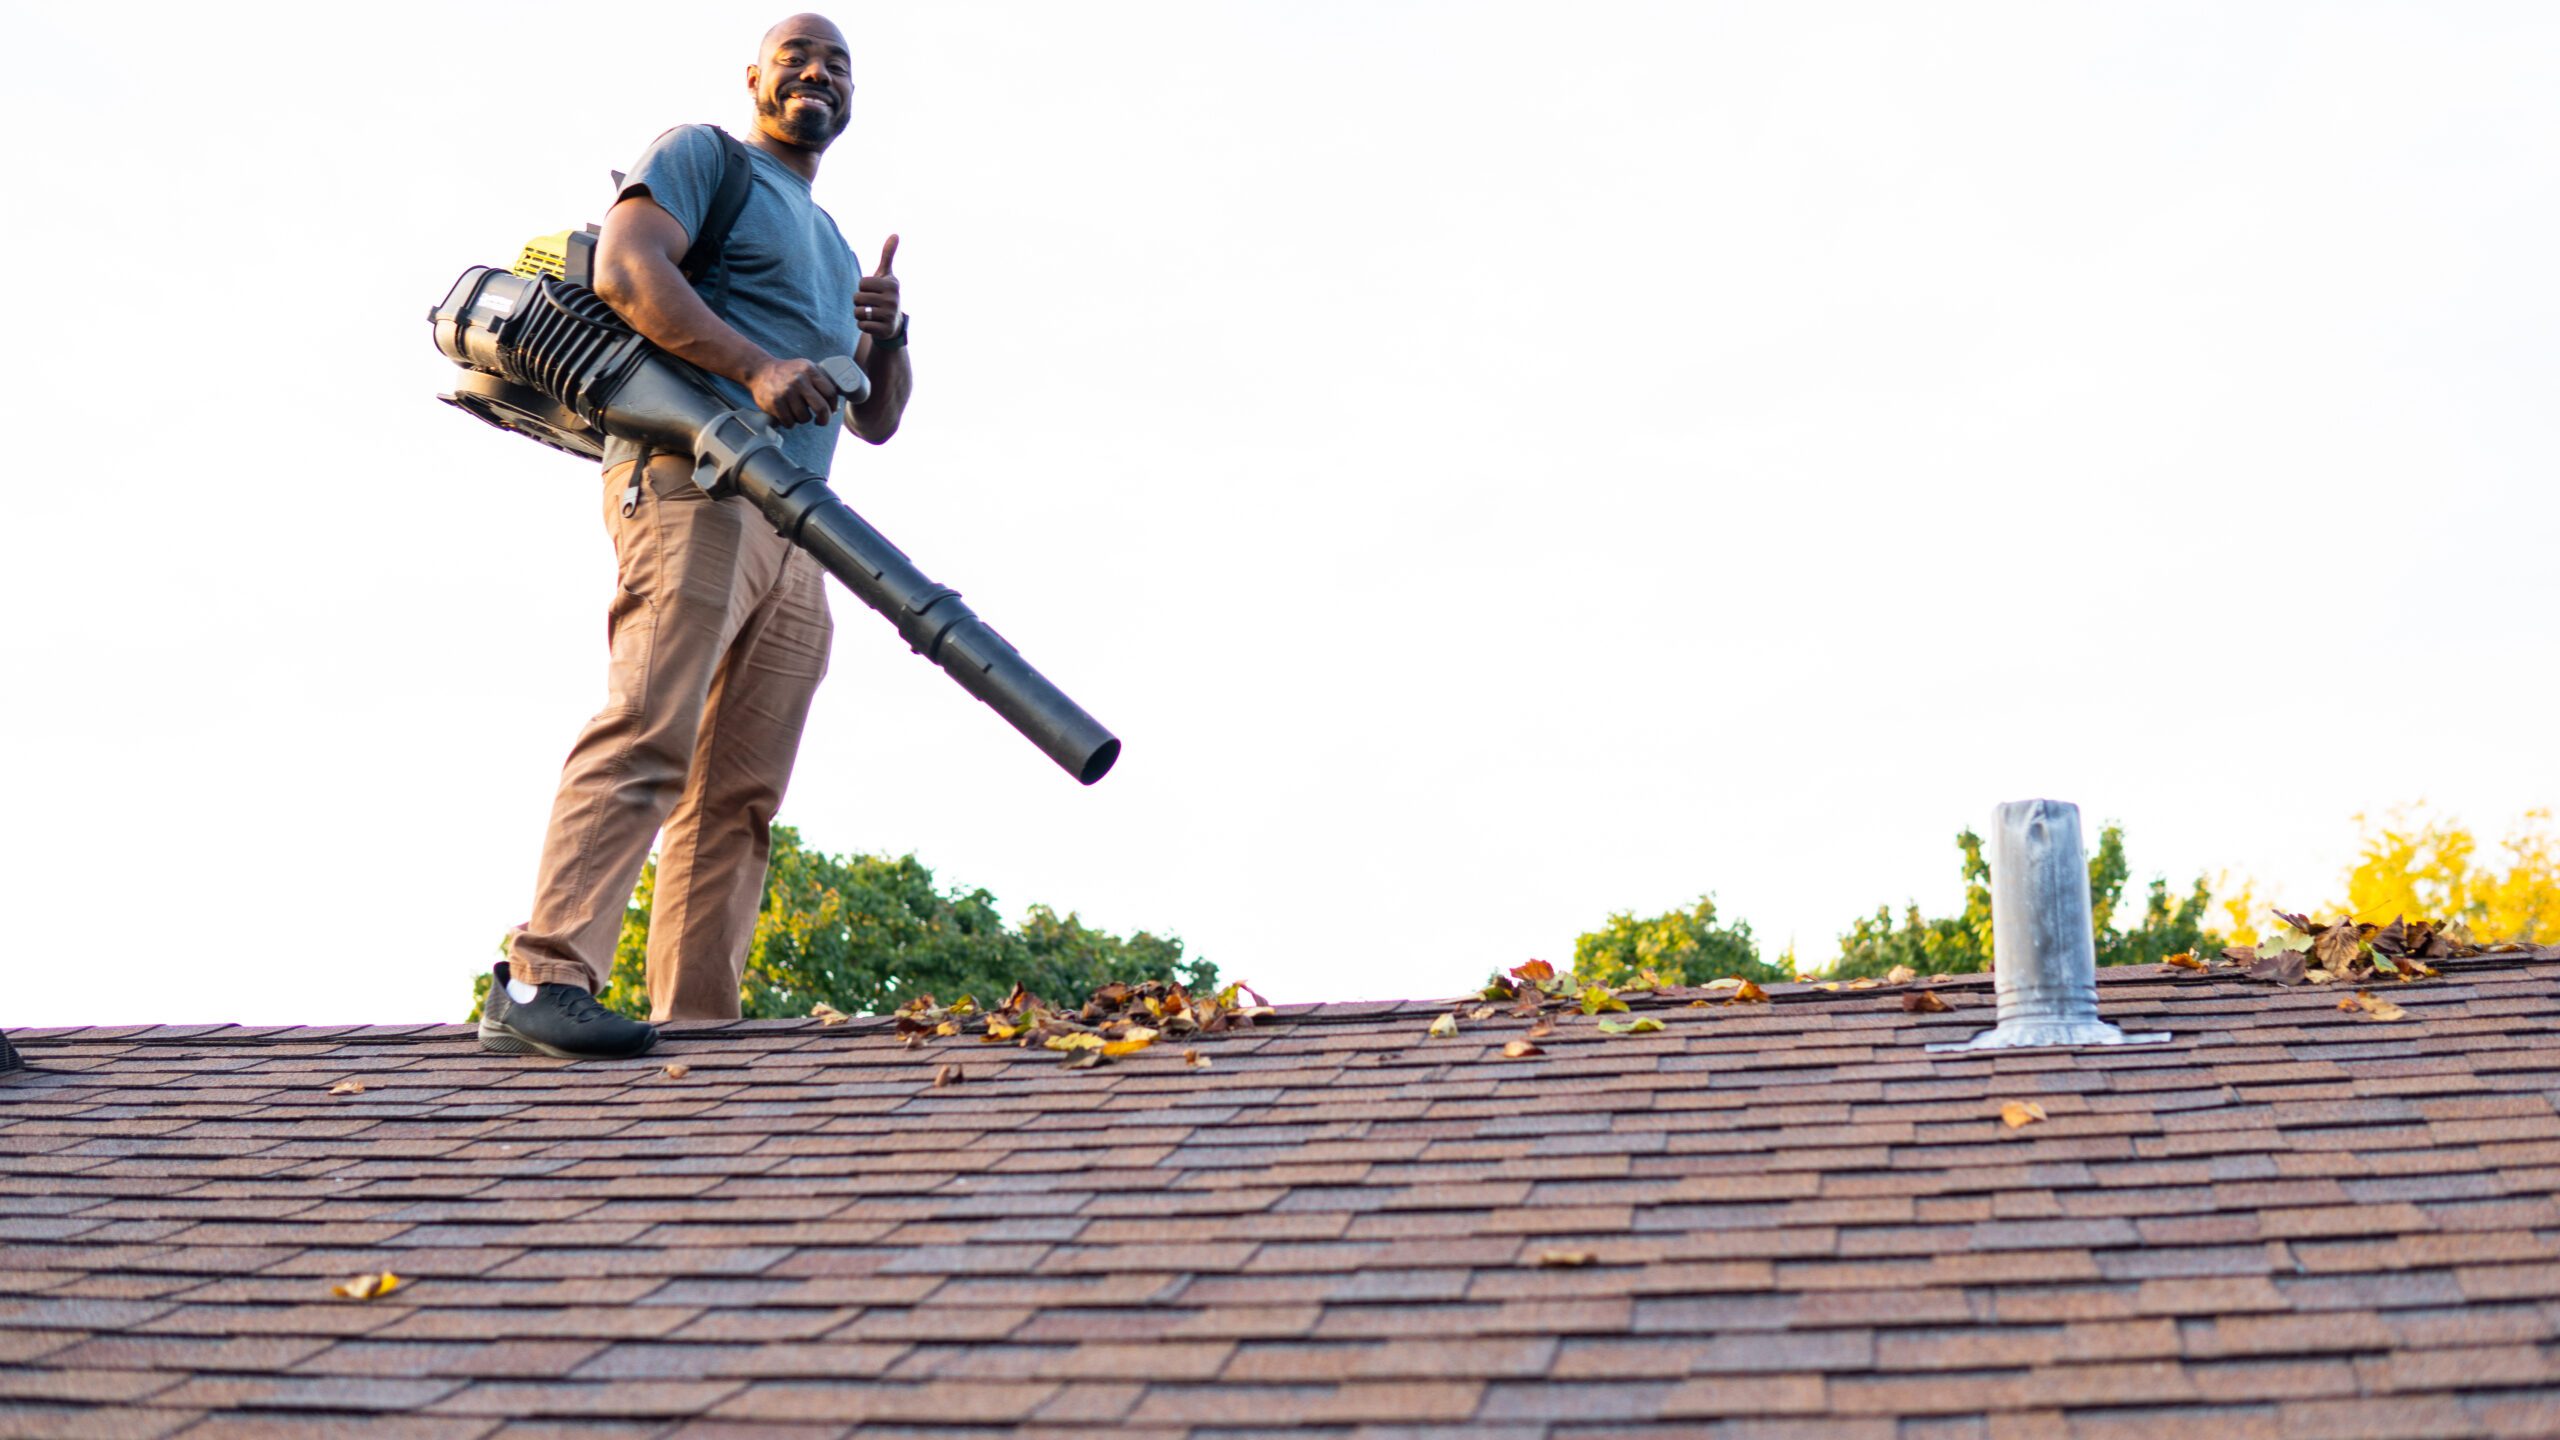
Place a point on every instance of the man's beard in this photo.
(804, 130)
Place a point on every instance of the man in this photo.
(720, 628)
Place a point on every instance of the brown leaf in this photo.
(367, 1287)
(1923, 1002)
(347, 1087)
(1520, 1050)
(1084, 1059)
(946, 1075)
(1901, 975)
(2021, 1112)
(1481, 1012)
(2281, 969)
(1565, 1259)
(2337, 948)
(2299, 922)
(1545, 1027)
(2240, 954)
(1445, 1028)
(827, 1014)
(1864, 982)
(1195, 1060)
(1536, 972)
(676, 1072)
(1748, 993)
(2373, 1005)
(2184, 960)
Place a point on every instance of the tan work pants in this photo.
(719, 633)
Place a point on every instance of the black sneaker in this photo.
(560, 1020)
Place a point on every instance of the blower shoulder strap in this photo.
(737, 174)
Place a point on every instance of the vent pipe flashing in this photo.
(2044, 966)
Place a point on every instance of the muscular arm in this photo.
(637, 273)
(892, 378)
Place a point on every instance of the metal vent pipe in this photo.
(2044, 965)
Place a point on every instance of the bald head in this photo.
(803, 84)
(812, 26)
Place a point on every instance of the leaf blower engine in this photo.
(543, 357)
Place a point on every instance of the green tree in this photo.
(1876, 944)
(1683, 947)
(865, 933)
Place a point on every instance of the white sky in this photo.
(1493, 465)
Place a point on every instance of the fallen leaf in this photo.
(1444, 1028)
(1565, 1259)
(1748, 993)
(1520, 1050)
(1481, 1012)
(676, 1072)
(827, 1014)
(347, 1087)
(2185, 960)
(2021, 1112)
(1865, 983)
(1802, 979)
(1138, 1038)
(2284, 968)
(910, 1042)
(1536, 972)
(1641, 1025)
(367, 1287)
(1075, 1040)
(2337, 949)
(1901, 975)
(1922, 1002)
(2318, 977)
(2280, 943)
(1597, 999)
(1729, 982)
(1826, 985)
(1195, 1060)
(2240, 954)
(1085, 1059)
(2373, 1005)
(1545, 1027)
(999, 1030)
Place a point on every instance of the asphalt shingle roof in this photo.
(1769, 1220)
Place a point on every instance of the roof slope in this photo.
(2290, 1221)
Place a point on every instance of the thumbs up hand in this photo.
(875, 300)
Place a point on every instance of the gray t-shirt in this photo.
(791, 276)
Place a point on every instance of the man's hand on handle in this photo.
(793, 392)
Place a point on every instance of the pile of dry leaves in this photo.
(1115, 1021)
(2307, 952)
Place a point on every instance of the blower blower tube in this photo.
(551, 360)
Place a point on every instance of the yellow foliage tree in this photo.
(2426, 866)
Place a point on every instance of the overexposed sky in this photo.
(1492, 464)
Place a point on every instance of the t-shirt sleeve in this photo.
(681, 172)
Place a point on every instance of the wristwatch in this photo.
(894, 342)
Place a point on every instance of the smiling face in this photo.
(803, 85)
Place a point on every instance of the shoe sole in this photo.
(508, 1042)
